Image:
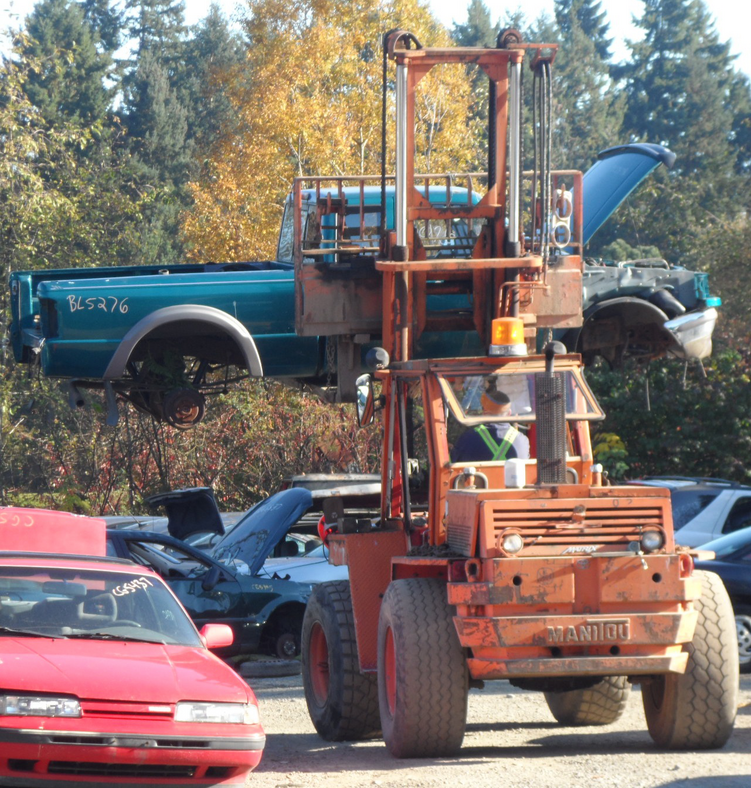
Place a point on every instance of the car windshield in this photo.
(687, 504)
(66, 602)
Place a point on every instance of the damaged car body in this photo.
(165, 338)
(227, 585)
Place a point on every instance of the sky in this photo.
(732, 18)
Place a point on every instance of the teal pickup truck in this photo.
(165, 337)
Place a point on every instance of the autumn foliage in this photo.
(198, 154)
(309, 102)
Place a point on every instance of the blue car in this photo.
(732, 562)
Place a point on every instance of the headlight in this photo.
(38, 706)
(237, 713)
(512, 543)
(652, 540)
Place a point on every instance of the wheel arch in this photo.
(289, 609)
(211, 316)
(287, 617)
(628, 311)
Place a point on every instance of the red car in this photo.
(103, 676)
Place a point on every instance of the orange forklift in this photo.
(530, 568)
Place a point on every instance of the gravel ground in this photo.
(512, 741)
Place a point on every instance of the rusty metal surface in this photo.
(612, 583)
(564, 616)
(558, 520)
(340, 296)
(580, 666)
(447, 264)
(369, 557)
(461, 524)
(577, 632)
(415, 566)
(559, 303)
(580, 598)
(566, 519)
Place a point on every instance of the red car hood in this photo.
(117, 671)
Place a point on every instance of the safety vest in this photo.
(498, 451)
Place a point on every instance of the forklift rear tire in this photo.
(696, 710)
(601, 704)
(422, 671)
(342, 701)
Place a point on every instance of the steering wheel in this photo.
(324, 532)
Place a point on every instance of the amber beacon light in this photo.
(507, 337)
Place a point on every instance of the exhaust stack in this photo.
(550, 404)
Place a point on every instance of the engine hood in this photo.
(615, 174)
(253, 539)
(117, 671)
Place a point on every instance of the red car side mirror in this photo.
(217, 635)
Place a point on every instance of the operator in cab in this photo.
(493, 440)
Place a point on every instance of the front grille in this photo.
(126, 710)
(120, 740)
(71, 738)
(570, 522)
(84, 768)
(183, 744)
(459, 537)
(19, 765)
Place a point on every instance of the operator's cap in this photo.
(494, 394)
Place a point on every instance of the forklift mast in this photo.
(499, 243)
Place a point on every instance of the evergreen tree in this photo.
(211, 54)
(157, 133)
(68, 80)
(157, 26)
(741, 135)
(682, 91)
(587, 16)
(106, 20)
(588, 112)
(679, 83)
(157, 122)
(478, 31)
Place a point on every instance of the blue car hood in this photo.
(615, 174)
(254, 538)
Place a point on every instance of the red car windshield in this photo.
(95, 604)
